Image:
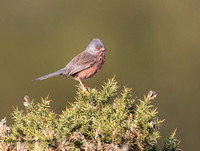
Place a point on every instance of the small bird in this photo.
(84, 65)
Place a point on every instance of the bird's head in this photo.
(95, 46)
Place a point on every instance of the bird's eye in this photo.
(96, 48)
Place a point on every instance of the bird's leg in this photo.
(83, 85)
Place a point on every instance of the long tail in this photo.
(59, 72)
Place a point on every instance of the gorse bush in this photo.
(97, 120)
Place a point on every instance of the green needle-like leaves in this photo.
(98, 120)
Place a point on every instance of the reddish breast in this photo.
(89, 72)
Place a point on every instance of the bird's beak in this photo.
(102, 49)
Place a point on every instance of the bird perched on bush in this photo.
(84, 65)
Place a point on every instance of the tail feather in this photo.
(49, 75)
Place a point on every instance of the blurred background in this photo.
(150, 45)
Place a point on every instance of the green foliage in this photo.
(172, 143)
(97, 120)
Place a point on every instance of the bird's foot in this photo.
(85, 91)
